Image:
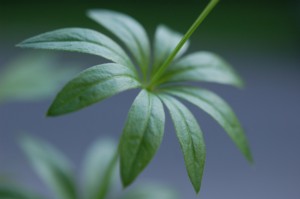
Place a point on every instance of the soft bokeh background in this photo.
(261, 39)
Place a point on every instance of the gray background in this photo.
(260, 39)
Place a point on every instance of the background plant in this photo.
(162, 81)
(98, 180)
(33, 76)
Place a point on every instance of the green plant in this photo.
(99, 175)
(33, 76)
(161, 80)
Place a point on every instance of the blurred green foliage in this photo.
(98, 180)
(33, 76)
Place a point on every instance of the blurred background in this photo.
(261, 39)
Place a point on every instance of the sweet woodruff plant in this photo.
(162, 80)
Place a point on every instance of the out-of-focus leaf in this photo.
(79, 40)
(128, 30)
(165, 41)
(150, 191)
(202, 66)
(33, 77)
(142, 135)
(93, 85)
(14, 192)
(51, 166)
(99, 169)
(219, 110)
(190, 138)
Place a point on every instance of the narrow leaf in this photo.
(79, 40)
(99, 169)
(165, 41)
(128, 30)
(151, 191)
(33, 77)
(93, 85)
(14, 192)
(202, 66)
(219, 110)
(190, 138)
(51, 166)
(142, 135)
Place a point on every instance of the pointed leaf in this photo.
(190, 138)
(202, 66)
(33, 77)
(165, 41)
(142, 135)
(151, 191)
(93, 85)
(79, 40)
(219, 110)
(99, 169)
(128, 30)
(51, 166)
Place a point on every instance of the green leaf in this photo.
(219, 110)
(93, 85)
(190, 138)
(142, 135)
(202, 66)
(99, 169)
(165, 41)
(51, 166)
(129, 31)
(15, 192)
(151, 191)
(79, 40)
(32, 76)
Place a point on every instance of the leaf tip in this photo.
(196, 185)
(51, 112)
(125, 182)
(20, 45)
(250, 159)
(248, 155)
(126, 178)
(22, 138)
(55, 110)
(241, 84)
(197, 189)
(26, 142)
(89, 12)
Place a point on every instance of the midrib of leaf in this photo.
(90, 42)
(144, 134)
(207, 101)
(143, 68)
(231, 127)
(187, 35)
(189, 130)
(190, 135)
(210, 103)
(170, 74)
(97, 82)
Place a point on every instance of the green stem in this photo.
(187, 35)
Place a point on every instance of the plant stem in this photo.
(187, 35)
